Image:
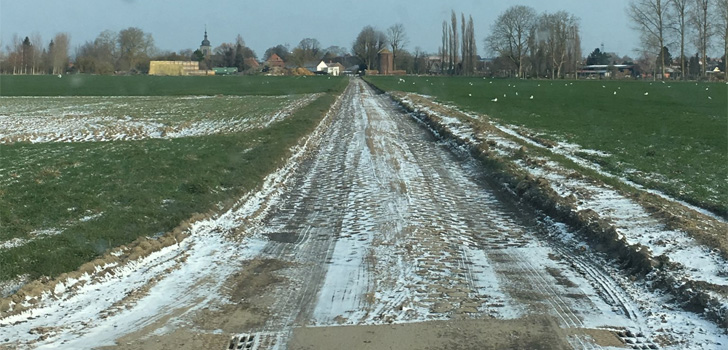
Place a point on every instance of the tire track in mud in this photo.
(386, 224)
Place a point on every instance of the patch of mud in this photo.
(180, 339)
(248, 297)
(246, 307)
(527, 333)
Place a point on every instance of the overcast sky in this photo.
(179, 24)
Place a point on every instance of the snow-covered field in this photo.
(106, 119)
(95, 119)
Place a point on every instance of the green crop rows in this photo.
(65, 203)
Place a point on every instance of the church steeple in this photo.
(205, 46)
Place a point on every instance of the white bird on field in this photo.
(706, 89)
(516, 93)
(615, 92)
(504, 95)
(647, 93)
(470, 95)
(531, 98)
(604, 87)
(710, 98)
(471, 84)
(494, 100)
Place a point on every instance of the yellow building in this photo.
(177, 68)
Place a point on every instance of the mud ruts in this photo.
(536, 192)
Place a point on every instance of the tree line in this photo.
(32, 56)
(522, 42)
(680, 23)
(529, 44)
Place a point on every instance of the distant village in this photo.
(549, 46)
(330, 63)
(598, 65)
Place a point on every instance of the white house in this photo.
(331, 68)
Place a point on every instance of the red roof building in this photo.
(275, 61)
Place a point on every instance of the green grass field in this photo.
(674, 139)
(65, 203)
(143, 85)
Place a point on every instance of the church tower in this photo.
(205, 46)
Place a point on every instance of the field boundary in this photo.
(536, 192)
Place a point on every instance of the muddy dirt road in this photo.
(379, 237)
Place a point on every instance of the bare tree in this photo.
(679, 24)
(464, 45)
(420, 61)
(135, 46)
(703, 22)
(308, 50)
(368, 44)
(469, 49)
(445, 49)
(311, 46)
(556, 31)
(59, 53)
(397, 38)
(281, 50)
(574, 49)
(15, 55)
(510, 34)
(650, 18)
(723, 20)
(36, 58)
(454, 44)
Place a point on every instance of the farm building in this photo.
(386, 62)
(177, 68)
(275, 61)
(330, 68)
(606, 71)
